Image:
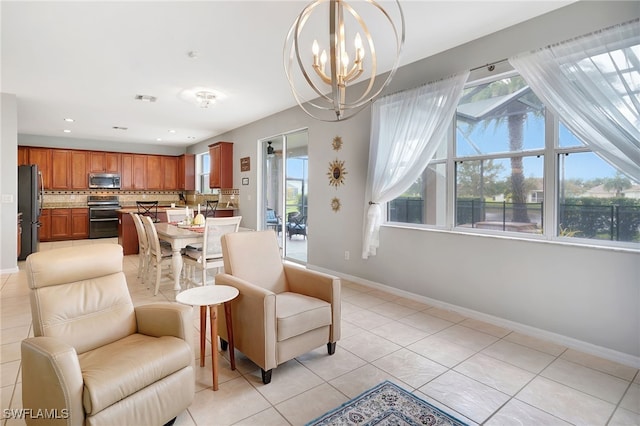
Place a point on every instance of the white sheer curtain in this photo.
(406, 129)
(593, 84)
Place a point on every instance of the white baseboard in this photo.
(9, 270)
(569, 342)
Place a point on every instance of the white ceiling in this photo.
(88, 60)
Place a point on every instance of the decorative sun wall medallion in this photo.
(335, 204)
(337, 143)
(336, 173)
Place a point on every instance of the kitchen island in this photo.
(128, 236)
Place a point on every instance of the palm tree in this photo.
(617, 183)
(517, 101)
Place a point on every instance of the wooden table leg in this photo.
(214, 344)
(232, 355)
(203, 333)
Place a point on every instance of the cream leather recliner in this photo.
(96, 359)
(282, 310)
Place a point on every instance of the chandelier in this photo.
(343, 79)
(205, 99)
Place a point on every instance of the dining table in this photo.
(179, 237)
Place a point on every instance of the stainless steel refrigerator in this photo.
(30, 205)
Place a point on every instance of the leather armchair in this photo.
(95, 358)
(282, 310)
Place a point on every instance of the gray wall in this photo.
(97, 145)
(8, 183)
(585, 297)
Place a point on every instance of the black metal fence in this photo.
(586, 218)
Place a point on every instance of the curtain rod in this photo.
(490, 66)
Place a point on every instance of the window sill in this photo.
(513, 236)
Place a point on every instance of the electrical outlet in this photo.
(7, 198)
(347, 255)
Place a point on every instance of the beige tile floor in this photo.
(480, 373)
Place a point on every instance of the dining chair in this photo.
(148, 208)
(143, 247)
(175, 215)
(209, 255)
(158, 253)
(210, 210)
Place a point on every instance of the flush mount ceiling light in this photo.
(205, 99)
(345, 65)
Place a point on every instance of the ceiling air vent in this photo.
(146, 98)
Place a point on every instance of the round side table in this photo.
(211, 296)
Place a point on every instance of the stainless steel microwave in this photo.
(104, 180)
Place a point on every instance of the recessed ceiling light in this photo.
(69, 120)
(67, 131)
(146, 98)
(191, 137)
(193, 54)
(120, 128)
(172, 131)
(159, 139)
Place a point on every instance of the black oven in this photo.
(103, 216)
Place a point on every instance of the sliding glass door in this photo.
(284, 191)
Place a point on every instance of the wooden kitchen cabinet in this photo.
(64, 224)
(155, 173)
(60, 224)
(187, 172)
(170, 173)
(79, 174)
(42, 157)
(44, 233)
(133, 171)
(104, 162)
(23, 156)
(221, 159)
(79, 223)
(60, 169)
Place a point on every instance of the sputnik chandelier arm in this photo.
(339, 94)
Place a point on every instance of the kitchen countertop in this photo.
(126, 208)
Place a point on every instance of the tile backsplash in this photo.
(128, 198)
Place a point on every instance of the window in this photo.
(595, 201)
(425, 201)
(202, 172)
(506, 149)
(499, 157)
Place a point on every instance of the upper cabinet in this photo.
(170, 173)
(42, 157)
(70, 168)
(134, 171)
(23, 156)
(221, 158)
(78, 169)
(187, 172)
(104, 162)
(155, 172)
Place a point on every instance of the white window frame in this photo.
(551, 185)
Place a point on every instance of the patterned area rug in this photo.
(386, 404)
